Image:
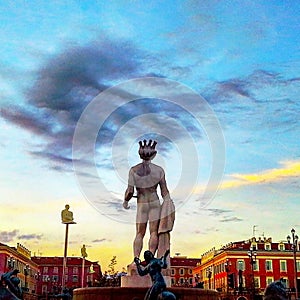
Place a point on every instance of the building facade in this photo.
(248, 266)
(19, 258)
(182, 270)
(79, 272)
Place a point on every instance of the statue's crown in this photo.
(147, 151)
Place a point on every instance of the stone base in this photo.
(136, 281)
(119, 293)
(133, 279)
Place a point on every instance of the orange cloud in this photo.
(289, 169)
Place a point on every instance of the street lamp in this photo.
(294, 246)
(252, 255)
(227, 269)
(208, 275)
(11, 263)
(26, 273)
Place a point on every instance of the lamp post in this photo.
(67, 219)
(252, 256)
(11, 263)
(227, 269)
(26, 273)
(208, 275)
(294, 245)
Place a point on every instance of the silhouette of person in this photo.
(67, 215)
(145, 177)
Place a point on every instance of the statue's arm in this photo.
(163, 187)
(141, 271)
(164, 259)
(130, 189)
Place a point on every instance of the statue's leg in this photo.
(141, 226)
(154, 215)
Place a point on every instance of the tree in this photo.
(112, 264)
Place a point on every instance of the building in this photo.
(182, 270)
(248, 266)
(78, 273)
(19, 258)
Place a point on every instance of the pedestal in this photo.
(133, 279)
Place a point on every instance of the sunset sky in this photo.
(216, 83)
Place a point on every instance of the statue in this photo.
(65, 295)
(9, 288)
(67, 215)
(275, 290)
(83, 251)
(153, 268)
(145, 177)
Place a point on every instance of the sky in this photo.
(215, 83)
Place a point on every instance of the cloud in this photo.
(289, 170)
(231, 219)
(100, 240)
(8, 236)
(30, 236)
(218, 212)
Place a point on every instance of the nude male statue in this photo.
(145, 177)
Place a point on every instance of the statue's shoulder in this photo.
(157, 168)
(136, 167)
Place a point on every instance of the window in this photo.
(285, 282)
(268, 246)
(298, 264)
(75, 278)
(190, 281)
(55, 278)
(173, 271)
(255, 265)
(45, 270)
(190, 271)
(45, 278)
(55, 270)
(269, 280)
(75, 270)
(269, 266)
(172, 281)
(283, 265)
(257, 282)
(181, 271)
(181, 280)
(281, 247)
(254, 246)
(240, 264)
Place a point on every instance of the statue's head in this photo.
(275, 290)
(147, 151)
(67, 206)
(148, 255)
(15, 281)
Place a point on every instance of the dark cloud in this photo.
(8, 236)
(231, 219)
(30, 236)
(65, 83)
(218, 212)
(100, 240)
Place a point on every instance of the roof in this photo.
(57, 260)
(184, 262)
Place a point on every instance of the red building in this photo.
(79, 272)
(19, 258)
(182, 270)
(248, 266)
